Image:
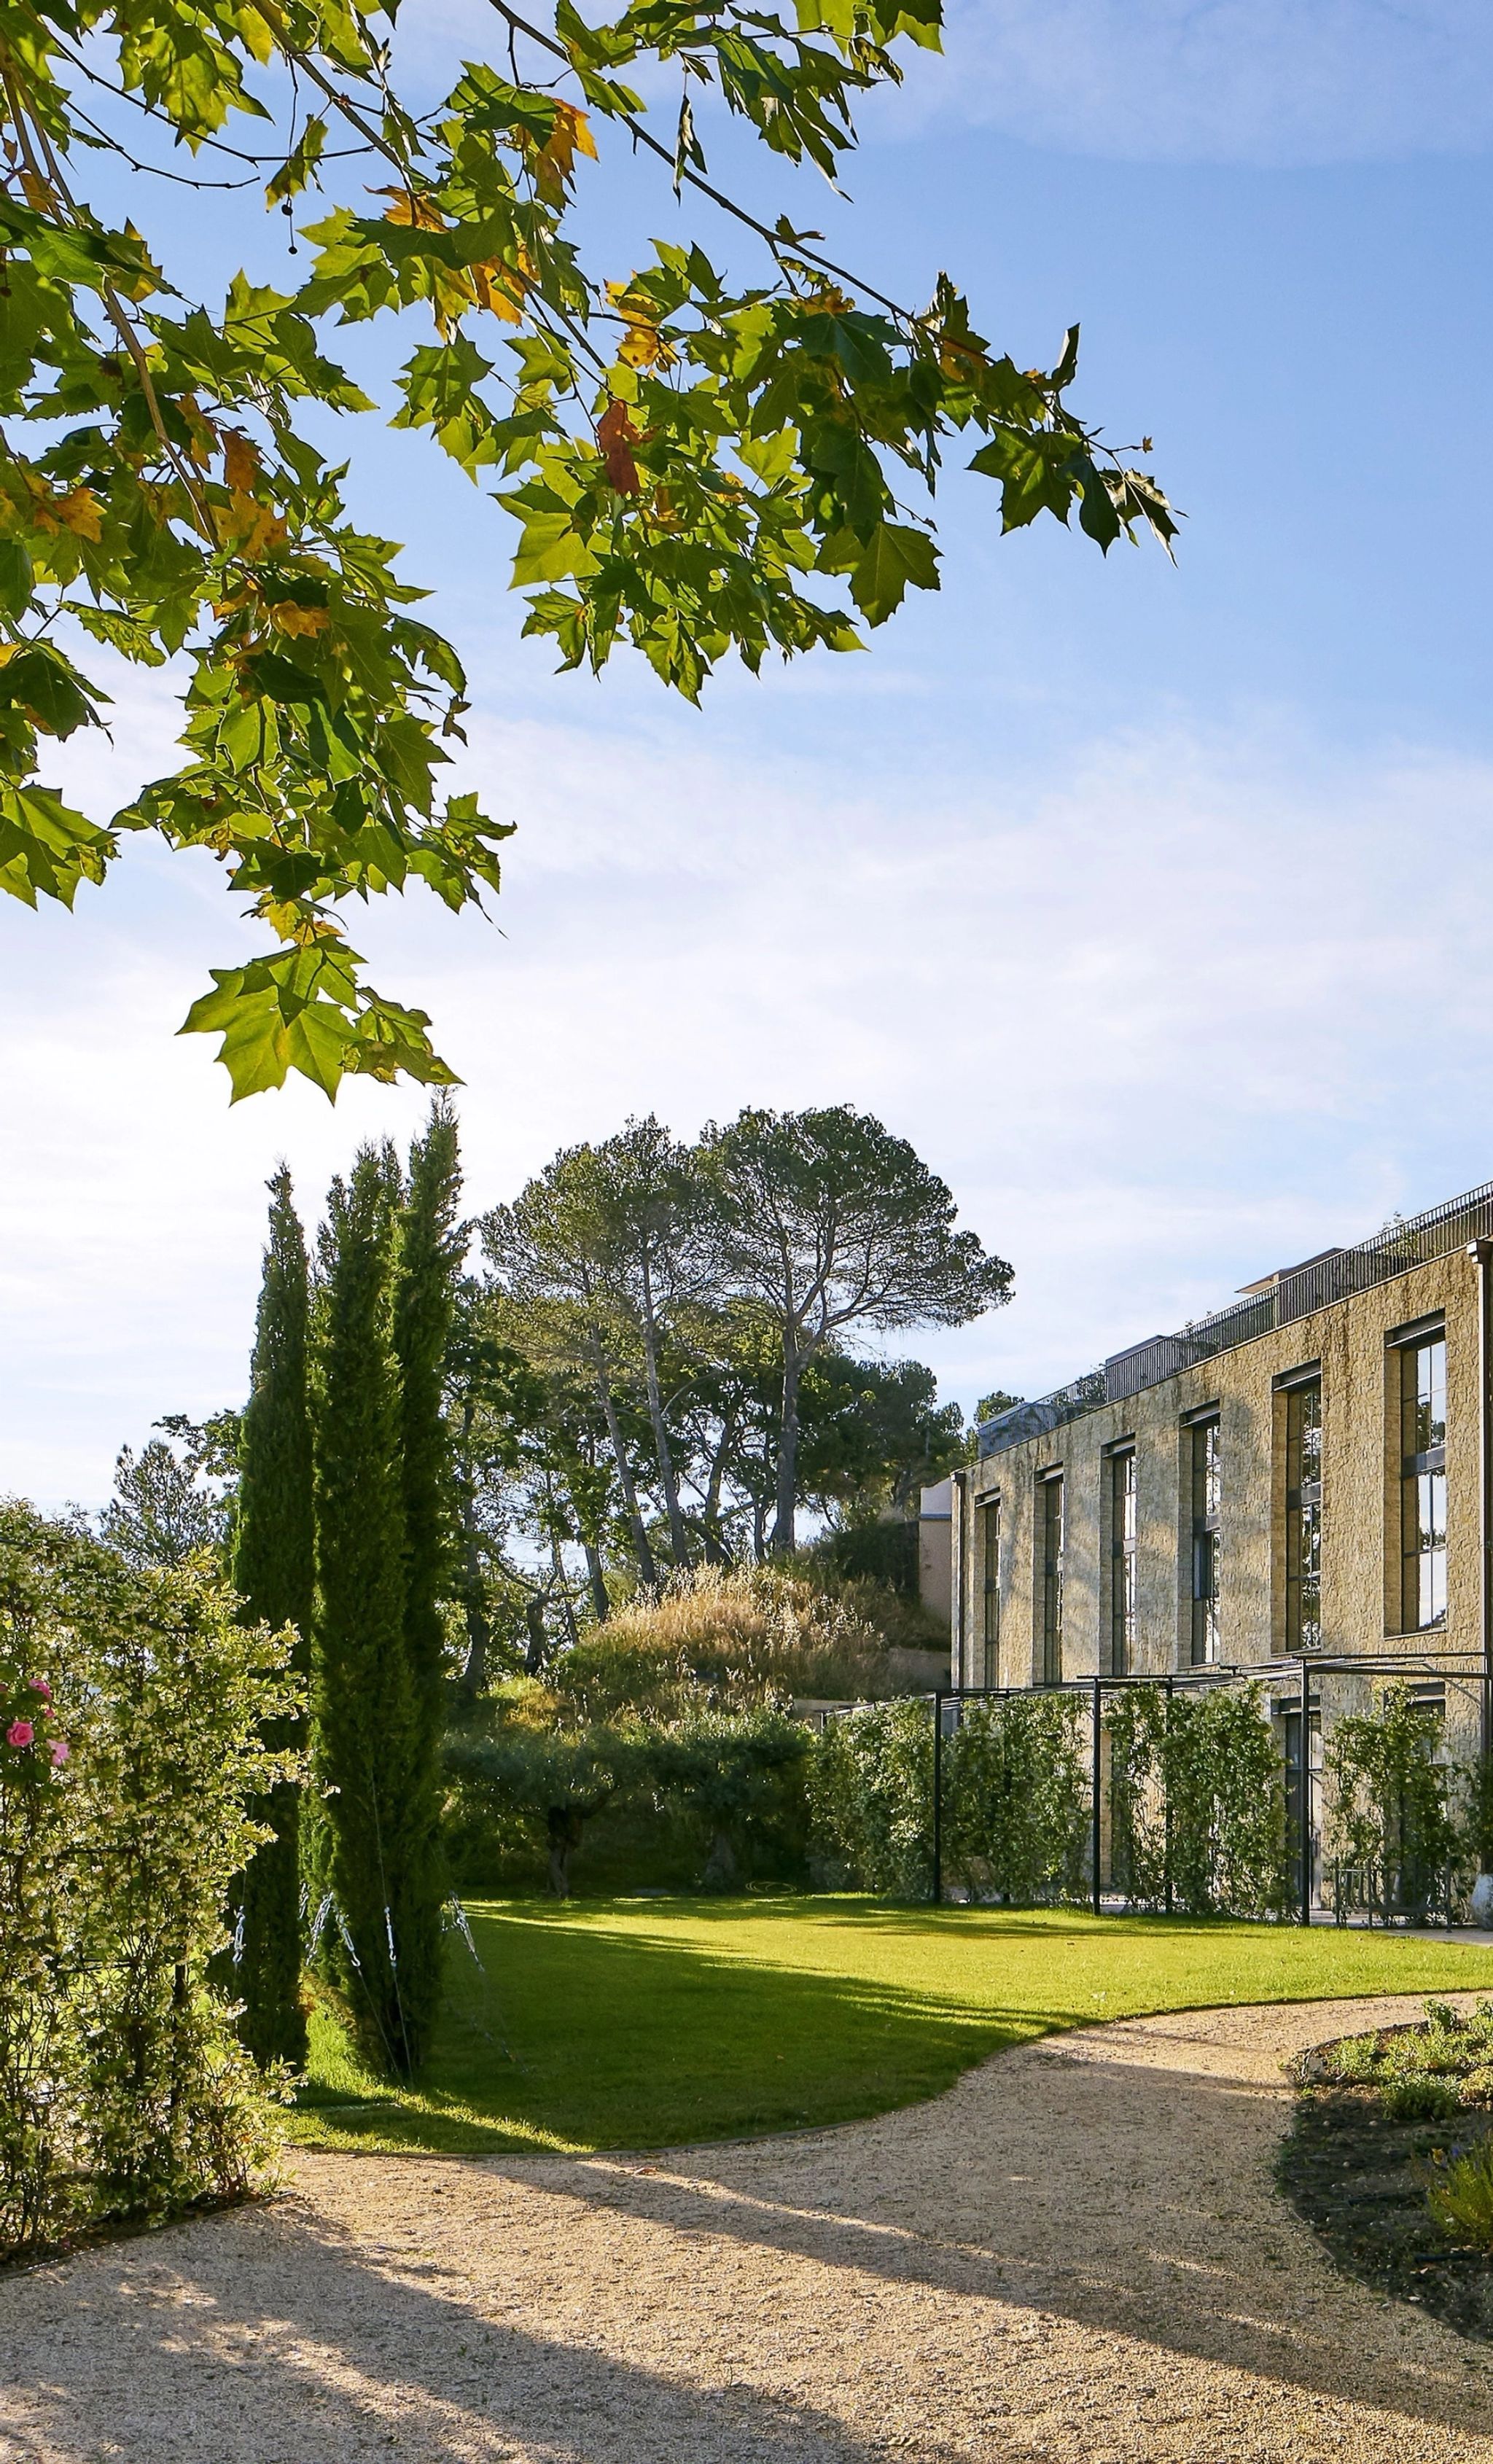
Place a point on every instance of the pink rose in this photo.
(39, 1686)
(20, 1732)
(60, 1750)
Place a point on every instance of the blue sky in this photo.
(1154, 906)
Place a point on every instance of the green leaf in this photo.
(896, 559)
(15, 577)
(47, 849)
(299, 168)
(41, 682)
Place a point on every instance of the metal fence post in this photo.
(1304, 1797)
(1095, 1783)
(937, 1891)
(1166, 1790)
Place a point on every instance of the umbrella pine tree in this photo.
(274, 1572)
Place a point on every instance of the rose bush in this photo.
(124, 1774)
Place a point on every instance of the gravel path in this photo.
(1075, 2256)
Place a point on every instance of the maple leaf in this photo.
(418, 214)
(617, 436)
(554, 162)
(500, 287)
(80, 510)
(288, 616)
(252, 528)
(204, 435)
(642, 346)
(240, 462)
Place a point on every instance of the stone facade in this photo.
(1361, 1348)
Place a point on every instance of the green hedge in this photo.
(870, 1793)
(1016, 1802)
(1196, 1811)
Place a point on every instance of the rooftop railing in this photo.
(1294, 1293)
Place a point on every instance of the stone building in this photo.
(1302, 1476)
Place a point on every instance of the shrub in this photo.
(1016, 1799)
(1460, 2196)
(739, 1779)
(534, 1790)
(723, 1788)
(1425, 2073)
(130, 1744)
(870, 1787)
(735, 1638)
(1420, 2100)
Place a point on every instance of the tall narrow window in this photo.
(1122, 1561)
(1050, 1504)
(1422, 1486)
(1304, 1516)
(1207, 1507)
(990, 1559)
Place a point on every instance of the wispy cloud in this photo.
(1266, 81)
(1196, 1004)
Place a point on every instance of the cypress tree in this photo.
(431, 1249)
(368, 1753)
(428, 1254)
(274, 1572)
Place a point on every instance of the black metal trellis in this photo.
(1464, 1670)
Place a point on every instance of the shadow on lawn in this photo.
(697, 2044)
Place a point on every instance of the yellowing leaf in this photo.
(499, 288)
(240, 461)
(80, 512)
(252, 528)
(417, 213)
(39, 196)
(204, 435)
(642, 346)
(288, 616)
(617, 436)
(571, 136)
(554, 162)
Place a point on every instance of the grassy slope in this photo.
(626, 2024)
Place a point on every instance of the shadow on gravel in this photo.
(1129, 2200)
(273, 2342)
(1126, 2199)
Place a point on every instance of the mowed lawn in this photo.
(637, 2024)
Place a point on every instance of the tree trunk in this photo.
(566, 1826)
(678, 1534)
(560, 1590)
(717, 1553)
(648, 1567)
(479, 1632)
(539, 1645)
(597, 1580)
(722, 1873)
(784, 1534)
